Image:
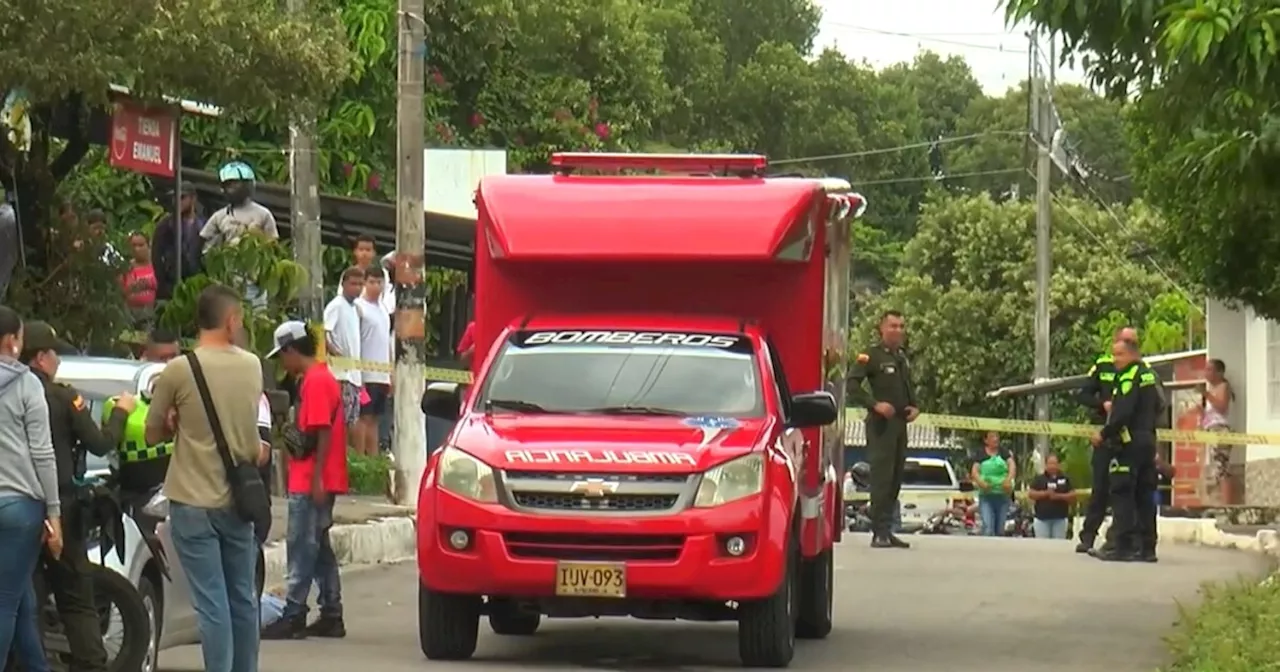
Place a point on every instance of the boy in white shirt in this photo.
(376, 346)
(342, 339)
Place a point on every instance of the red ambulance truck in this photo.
(656, 425)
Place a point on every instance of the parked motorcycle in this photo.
(857, 516)
(1020, 523)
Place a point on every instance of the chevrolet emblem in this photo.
(594, 488)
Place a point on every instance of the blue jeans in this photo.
(1050, 529)
(21, 527)
(310, 558)
(219, 555)
(993, 510)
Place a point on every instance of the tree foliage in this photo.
(967, 286)
(1204, 125)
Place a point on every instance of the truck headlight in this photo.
(731, 481)
(466, 476)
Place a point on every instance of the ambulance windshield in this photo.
(624, 372)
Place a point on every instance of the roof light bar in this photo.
(736, 164)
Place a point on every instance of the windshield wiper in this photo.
(514, 405)
(635, 410)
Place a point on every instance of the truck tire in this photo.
(817, 596)
(767, 627)
(448, 625)
(506, 619)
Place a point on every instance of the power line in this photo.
(927, 37)
(899, 148)
(937, 178)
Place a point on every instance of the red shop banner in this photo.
(143, 139)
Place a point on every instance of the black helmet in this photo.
(861, 473)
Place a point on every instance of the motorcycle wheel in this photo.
(118, 600)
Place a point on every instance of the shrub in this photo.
(368, 475)
(1235, 629)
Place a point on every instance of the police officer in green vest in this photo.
(142, 467)
(1134, 413)
(891, 405)
(1095, 394)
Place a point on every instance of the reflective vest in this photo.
(133, 447)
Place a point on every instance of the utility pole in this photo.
(1041, 87)
(304, 206)
(409, 440)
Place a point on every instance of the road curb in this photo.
(377, 541)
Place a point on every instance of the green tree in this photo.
(59, 59)
(967, 290)
(1204, 124)
(943, 89)
(1093, 124)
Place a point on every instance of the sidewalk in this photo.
(367, 530)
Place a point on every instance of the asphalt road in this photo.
(951, 604)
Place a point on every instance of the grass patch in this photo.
(1235, 629)
(368, 475)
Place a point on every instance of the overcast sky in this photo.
(887, 32)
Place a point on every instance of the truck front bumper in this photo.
(680, 556)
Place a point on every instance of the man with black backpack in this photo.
(317, 442)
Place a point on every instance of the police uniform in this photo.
(1097, 391)
(73, 431)
(888, 375)
(1135, 412)
(142, 467)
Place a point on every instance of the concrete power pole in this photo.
(304, 206)
(409, 442)
(1041, 86)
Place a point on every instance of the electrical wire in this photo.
(899, 148)
(927, 37)
(937, 178)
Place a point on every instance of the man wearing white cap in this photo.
(317, 442)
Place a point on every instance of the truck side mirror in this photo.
(813, 409)
(442, 400)
(966, 486)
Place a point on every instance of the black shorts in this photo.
(377, 404)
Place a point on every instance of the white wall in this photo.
(1226, 338)
(451, 176)
(1250, 380)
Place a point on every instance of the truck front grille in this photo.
(597, 493)
(601, 547)
(544, 500)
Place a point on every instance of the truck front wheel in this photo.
(448, 625)
(817, 596)
(767, 628)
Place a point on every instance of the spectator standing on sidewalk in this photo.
(1216, 402)
(139, 280)
(342, 339)
(1053, 496)
(29, 502)
(993, 474)
(216, 547)
(317, 475)
(165, 244)
(376, 347)
(365, 252)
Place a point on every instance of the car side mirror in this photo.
(442, 400)
(813, 409)
(966, 486)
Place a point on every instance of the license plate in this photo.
(582, 579)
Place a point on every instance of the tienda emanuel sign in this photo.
(143, 139)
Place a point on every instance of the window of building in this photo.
(1273, 368)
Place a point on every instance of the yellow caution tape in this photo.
(917, 495)
(936, 420)
(980, 424)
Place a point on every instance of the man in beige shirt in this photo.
(217, 548)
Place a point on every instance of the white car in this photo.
(168, 600)
(928, 486)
